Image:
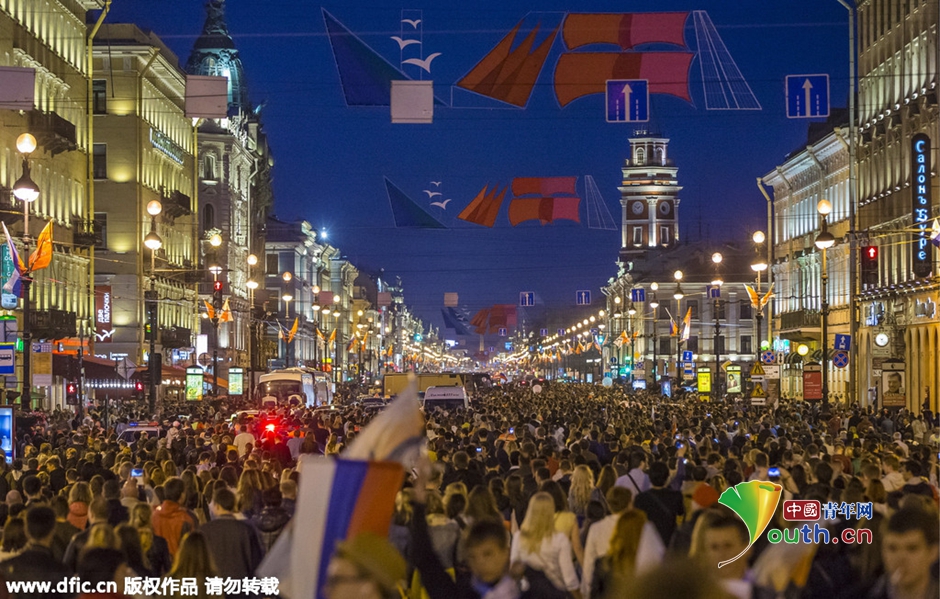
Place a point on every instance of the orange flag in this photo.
(42, 256)
(293, 330)
(226, 315)
(210, 310)
(332, 337)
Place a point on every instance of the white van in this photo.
(447, 398)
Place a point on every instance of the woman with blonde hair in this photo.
(582, 491)
(333, 446)
(193, 560)
(155, 549)
(614, 571)
(539, 546)
(248, 494)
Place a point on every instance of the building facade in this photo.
(143, 153)
(898, 70)
(234, 190)
(650, 254)
(49, 37)
(807, 176)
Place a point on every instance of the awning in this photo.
(97, 369)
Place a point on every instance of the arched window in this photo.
(208, 217)
(640, 156)
(659, 157)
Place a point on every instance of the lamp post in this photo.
(316, 325)
(153, 242)
(654, 304)
(215, 241)
(336, 340)
(717, 282)
(631, 312)
(26, 191)
(251, 284)
(618, 316)
(824, 241)
(678, 295)
(758, 266)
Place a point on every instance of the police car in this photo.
(129, 434)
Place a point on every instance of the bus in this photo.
(294, 387)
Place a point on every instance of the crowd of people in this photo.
(572, 491)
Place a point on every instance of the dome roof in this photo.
(214, 54)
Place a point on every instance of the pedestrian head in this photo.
(539, 522)
(193, 559)
(40, 525)
(486, 547)
(909, 548)
(365, 567)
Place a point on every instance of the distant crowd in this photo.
(572, 491)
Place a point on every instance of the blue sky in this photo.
(331, 159)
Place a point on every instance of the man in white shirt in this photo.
(597, 545)
(636, 480)
(242, 440)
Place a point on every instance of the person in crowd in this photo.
(613, 572)
(540, 546)
(36, 562)
(194, 560)
(171, 520)
(234, 544)
(14, 539)
(909, 551)
(662, 505)
(365, 567)
(79, 499)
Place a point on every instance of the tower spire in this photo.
(214, 53)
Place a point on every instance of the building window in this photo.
(637, 236)
(99, 101)
(665, 346)
(746, 344)
(720, 349)
(659, 156)
(665, 238)
(271, 266)
(693, 304)
(692, 344)
(640, 157)
(721, 311)
(663, 312)
(746, 312)
(210, 170)
(208, 217)
(100, 166)
(101, 228)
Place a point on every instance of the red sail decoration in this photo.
(579, 74)
(626, 30)
(508, 74)
(544, 186)
(484, 208)
(555, 198)
(490, 320)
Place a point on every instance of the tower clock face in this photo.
(881, 339)
(637, 208)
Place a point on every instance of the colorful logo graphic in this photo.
(755, 503)
(799, 510)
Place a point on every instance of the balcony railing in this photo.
(178, 204)
(54, 133)
(800, 319)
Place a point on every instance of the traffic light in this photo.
(217, 296)
(139, 390)
(869, 266)
(71, 393)
(151, 322)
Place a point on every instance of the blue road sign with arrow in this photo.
(628, 101)
(807, 96)
(842, 342)
(583, 298)
(638, 295)
(527, 299)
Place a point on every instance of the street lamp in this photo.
(824, 241)
(251, 284)
(287, 297)
(678, 295)
(758, 266)
(153, 242)
(654, 304)
(717, 282)
(26, 190)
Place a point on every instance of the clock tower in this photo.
(649, 195)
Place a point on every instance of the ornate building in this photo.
(143, 152)
(651, 252)
(649, 196)
(898, 71)
(49, 36)
(820, 171)
(234, 187)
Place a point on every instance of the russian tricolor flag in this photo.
(337, 500)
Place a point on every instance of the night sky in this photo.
(330, 159)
